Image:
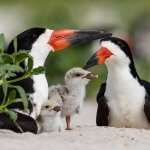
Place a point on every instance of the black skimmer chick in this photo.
(73, 92)
(50, 117)
(124, 100)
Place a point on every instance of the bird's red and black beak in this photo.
(61, 39)
(98, 58)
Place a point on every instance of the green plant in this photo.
(9, 67)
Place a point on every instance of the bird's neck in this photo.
(39, 55)
(122, 69)
(121, 80)
(40, 49)
(118, 72)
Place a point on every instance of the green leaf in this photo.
(5, 88)
(23, 96)
(15, 44)
(2, 42)
(7, 58)
(2, 73)
(17, 100)
(12, 115)
(20, 57)
(30, 63)
(1, 59)
(13, 68)
(38, 70)
(10, 74)
(11, 96)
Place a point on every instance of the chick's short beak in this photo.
(57, 108)
(90, 76)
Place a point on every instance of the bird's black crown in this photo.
(26, 39)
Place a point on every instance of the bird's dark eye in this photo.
(78, 74)
(46, 106)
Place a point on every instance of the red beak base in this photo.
(103, 53)
(58, 41)
(61, 39)
(98, 58)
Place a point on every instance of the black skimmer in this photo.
(39, 42)
(124, 100)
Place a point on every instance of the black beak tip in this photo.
(85, 67)
(105, 34)
(93, 61)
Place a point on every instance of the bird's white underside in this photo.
(74, 101)
(126, 97)
(39, 52)
(51, 123)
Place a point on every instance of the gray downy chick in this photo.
(50, 117)
(73, 92)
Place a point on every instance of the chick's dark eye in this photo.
(78, 75)
(46, 106)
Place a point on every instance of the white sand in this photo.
(84, 137)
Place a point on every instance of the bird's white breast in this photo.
(126, 99)
(73, 101)
(51, 124)
(40, 95)
(39, 52)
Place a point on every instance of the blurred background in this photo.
(127, 19)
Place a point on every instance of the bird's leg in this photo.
(68, 119)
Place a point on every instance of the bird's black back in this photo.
(146, 85)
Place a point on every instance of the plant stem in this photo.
(19, 79)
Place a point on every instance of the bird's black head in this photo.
(26, 39)
(120, 43)
(113, 51)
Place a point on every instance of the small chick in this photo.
(73, 92)
(50, 117)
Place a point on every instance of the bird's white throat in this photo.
(41, 49)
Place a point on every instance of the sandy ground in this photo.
(84, 136)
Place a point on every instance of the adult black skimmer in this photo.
(124, 100)
(39, 42)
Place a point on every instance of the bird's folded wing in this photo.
(102, 117)
(23, 123)
(63, 90)
(146, 85)
(147, 107)
(54, 94)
